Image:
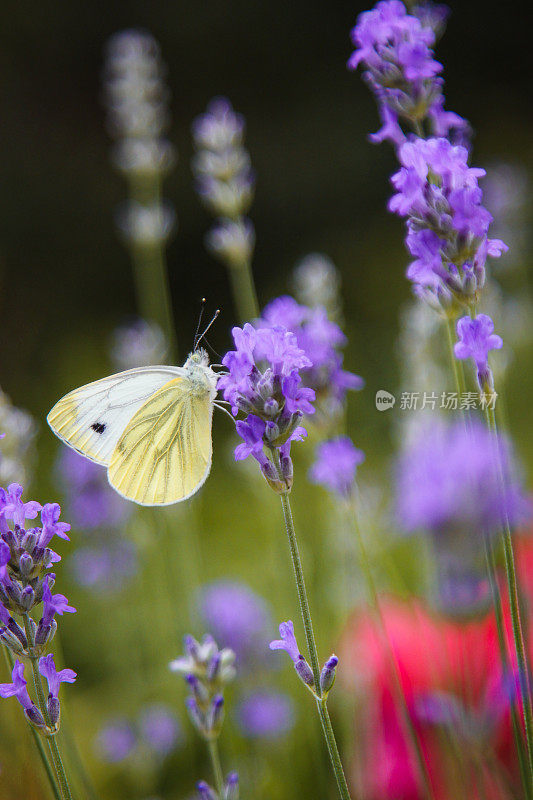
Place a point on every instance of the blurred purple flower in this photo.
(335, 465)
(160, 729)
(448, 479)
(220, 127)
(238, 618)
(266, 714)
(116, 741)
(92, 503)
(106, 566)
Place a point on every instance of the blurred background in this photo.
(66, 283)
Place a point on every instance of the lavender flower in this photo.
(336, 464)
(321, 341)
(265, 714)
(206, 670)
(137, 104)
(25, 584)
(47, 668)
(316, 282)
(264, 382)
(230, 790)
(290, 645)
(238, 617)
(446, 224)
(17, 688)
(224, 179)
(476, 339)
(396, 51)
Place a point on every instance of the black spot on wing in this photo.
(98, 427)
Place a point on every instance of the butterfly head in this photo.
(198, 358)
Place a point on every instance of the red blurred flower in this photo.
(450, 673)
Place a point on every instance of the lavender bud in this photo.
(43, 633)
(231, 790)
(271, 408)
(198, 689)
(485, 380)
(470, 285)
(287, 471)
(327, 676)
(213, 667)
(191, 646)
(28, 597)
(215, 715)
(54, 710)
(13, 590)
(304, 671)
(272, 478)
(9, 539)
(196, 715)
(35, 716)
(10, 641)
(205, 791)
(272, 432)
(227, 668)
(26, 564)
(29, 540)
(17, 631)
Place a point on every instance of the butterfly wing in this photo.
(92, 418)
(164, 454)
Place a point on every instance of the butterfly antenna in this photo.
(210, 347)
(196, 338)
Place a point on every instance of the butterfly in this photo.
(150, 426)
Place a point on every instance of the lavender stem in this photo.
(52, 743)
(214, 755)
(310, 638)
(37, 739)
(512, 583)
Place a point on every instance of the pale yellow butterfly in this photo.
(150, 426)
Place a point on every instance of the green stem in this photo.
(310, 638)
(214, 755)
(37, 739)
(512, 584)
(404, 709)
(523, 670)
(52, 743)
(243, 289)
(457, 366)
(502, 645)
